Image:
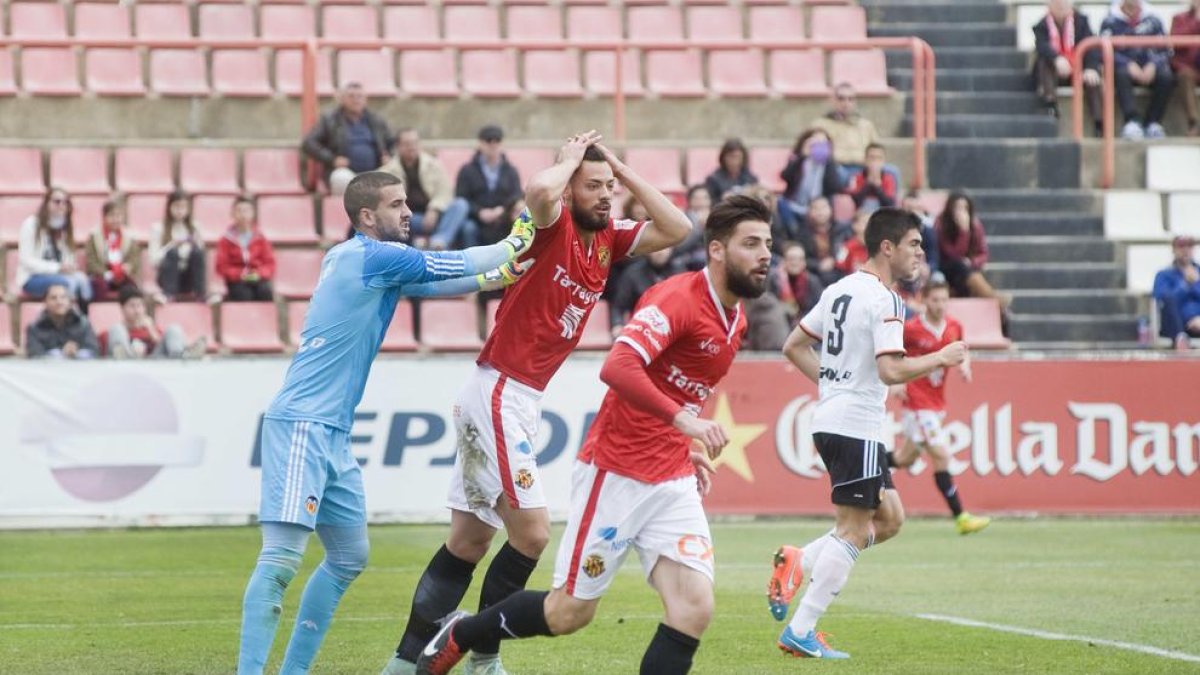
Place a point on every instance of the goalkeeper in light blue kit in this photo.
(310, 481)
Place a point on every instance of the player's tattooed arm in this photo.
(544, 192)
(667, 225)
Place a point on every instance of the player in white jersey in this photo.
(859, 323)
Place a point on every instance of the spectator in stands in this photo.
(492, 188)
(177, 251)
(46, 250)
(963, 250)
(1055, 37)
(796, 287)
(642, 273)
(929, 243)
(113, 258)
(1177, 294)
(1186, 63)
(136, 336)
(733, 170)
(811, 172)
(851, 246)
(61, 331)
(438, 215)
(874, 186)
(245, 259)
(349, 136)
(690, 254)
(849, 131)
(1143, 66)
(817, 238)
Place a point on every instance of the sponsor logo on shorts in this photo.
(609, 534)
(525, 448)
(593, 565)
(310, 505)
(524, 479)
(694, 546)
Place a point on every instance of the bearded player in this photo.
(637, 483)
(924, 399)
(539, 322)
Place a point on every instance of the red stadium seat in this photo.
(142, 211)
(21, 171)
(715, 24)
(37, 20)
(272, 172)
(767, 164)
(240, 72)
(490, 73)
(287, 219)
(143, 170)
(528, 161)
(659, 166)
(552, 73)
(296, 272)
(540, 22)
(348, 22)
(674, 74)
(412, 23)
(114, 72)
(453, 159)
(8, 80)
(29, 312)
(865, 70)
(838, 23)
(80, 171)
(13, 212)
(86, 214)
(654, 24)
(195, 319)
(737, 73)
(216, 284)
(471, 24)
(600, 78)
(104, 315)
(287, 22)
(288, 69)
(449, 325)
(209, 171)
(334, 221)
(296, 311)
(596, 332)
(400, 336)
(178, 72)
(428, 72)
(250, 327)
(162, 21)
(374, 69)
(101, 20)
(782, 23)
(980, 318)
(843, 208)
(7, 344)
(49, 72)
(593, 24)
(226, 22)
(798, 72)
(698, 163)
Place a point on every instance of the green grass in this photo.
(168, 601)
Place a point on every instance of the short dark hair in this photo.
(936, 280)
(694, 189)
(129, 292)
(729, 213)
(112, 204)
(242, 199)
(889, 224)
(363, 192)
(593, 154)
(734, 145)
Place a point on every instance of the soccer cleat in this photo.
(398, 666)
(968, 524)
(786, 579)
(484, 665)
(442, 653)
(811, 646)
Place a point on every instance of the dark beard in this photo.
(588, 220)
(743, 285)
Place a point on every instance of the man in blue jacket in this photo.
(1177, 294)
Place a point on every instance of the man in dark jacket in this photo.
(350, 136)
(60, 331)
(492, 188)
(1055, 38)
(635, 280)
(1142, 66)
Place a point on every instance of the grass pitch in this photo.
(168, 601)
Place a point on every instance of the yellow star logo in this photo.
(740, 436)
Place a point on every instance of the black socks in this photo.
(945, 485)
(520, 615)
(508, 573)
(438, 593)
(669, 653)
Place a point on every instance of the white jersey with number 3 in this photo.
(857, 320)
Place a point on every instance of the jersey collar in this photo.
(938, 331)
(716, 300)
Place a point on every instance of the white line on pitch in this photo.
(1130, 646)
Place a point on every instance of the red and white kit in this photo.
(925, 408)
(633, 485)
(538, 324)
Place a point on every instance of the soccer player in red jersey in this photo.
(539, 322)
(924, 399)
(638, 482)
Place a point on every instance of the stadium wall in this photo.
(161, 443)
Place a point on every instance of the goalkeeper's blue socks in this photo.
(283, 548)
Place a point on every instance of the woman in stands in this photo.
(177, 251)
(963, 251)
(46, 251)
(113, 259)
(810, 173)
(733, 170)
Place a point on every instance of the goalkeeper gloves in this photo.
(521, 236)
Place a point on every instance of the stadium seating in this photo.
(165, 21)
(250, 327)
(736, 73)
(216, 283)
(535, 22)
(80, 171)
(272, 172)
(29, 313)
(374, 69)
(600, 77)
(13, 212)
(195, 319)
(142, 211)
(718, 24)
(178, 72)
(287, 22)
(552, 73)
(1133, 216)
(143, 170)
(838, 23)
(349, 22)
(776, 23)
(86, 214)
(37, 20)
(21, 171)
(1183, 210)
(453, 159)
(412, 23)
(8, 81)
(698, 163)
(212, 215)
(114, 72)
(334, 221)
(529, 161)
(49, 72)
(980, 318)
(240, 72)
(7, 344)
(593, 24)
(449, 325)
(866, 70)
(797, 72)
(428, 72)
(289, 67)
(297, 272)
(104, 315)
(287, 219)
(226, 22)
(1171, 168)
(477, 24)
(659, 166)
(659, 24)
(1142, 262)
(209, 171)
(676, 73)
(767, 164)
(596, 332)
(399, 336)
(296, 311)
(96, 20)
(490, 73)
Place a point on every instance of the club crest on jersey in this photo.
(593, 565)
(310, 505)
(604, 256)
(524, 479)
(653, 317)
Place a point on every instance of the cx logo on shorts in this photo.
(694, 546)
(593, 565)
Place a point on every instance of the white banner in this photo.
(176, 443)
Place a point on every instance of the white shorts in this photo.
(924, 427)
(611, 513)
(496, 421)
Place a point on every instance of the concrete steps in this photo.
(1042, 224)
(986, 103)
(1102, 301)
(968, 80)
(989, 126)
(1003, 163)
(943, 34)
(1090, 330)
(947, 12)
(1058, 274)
(951, 58)
(1041, 249)
(1084, 202)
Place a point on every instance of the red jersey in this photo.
(688, 341)
(929, 392)
(541, 317)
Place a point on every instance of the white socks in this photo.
(829, 575)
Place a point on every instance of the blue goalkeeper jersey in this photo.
(351, 308)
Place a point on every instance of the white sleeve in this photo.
(888, 325)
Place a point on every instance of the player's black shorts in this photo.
(858, 469)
